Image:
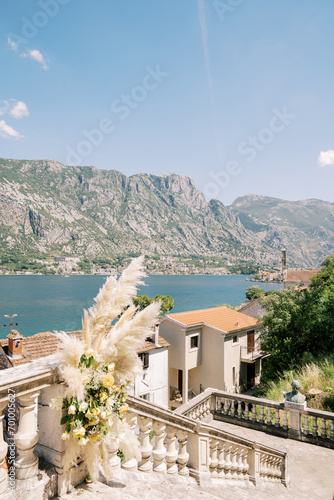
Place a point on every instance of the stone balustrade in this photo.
(172, 444)
(295, 421)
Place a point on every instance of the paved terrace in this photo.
(311, 473)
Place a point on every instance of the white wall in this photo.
(154, 381)
(175, 335)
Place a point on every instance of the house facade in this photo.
(215, 347)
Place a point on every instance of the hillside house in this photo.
(215, 347)
(291, 277)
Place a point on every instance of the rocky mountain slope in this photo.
(305, 228)
(49, 208)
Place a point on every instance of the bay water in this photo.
(49, 303)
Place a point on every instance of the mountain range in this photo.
(47, 208)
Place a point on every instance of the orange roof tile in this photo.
(223, 318)
(304, 275)
(43, 344)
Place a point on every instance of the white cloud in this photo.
(36, 55)
(326, 158)
(8, 132)
(19, 110)
(12, 45)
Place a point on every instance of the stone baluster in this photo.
(26, 438)
(183, 456)
(114, 459)
(146, 448)
(221, 460)
(234, 463)
(263, 467)
(285, 419)
(213, 457)
(239, 408)
(246, 411)
(228, 463)
(232, 408)
(261, 414)
(270, 469)
(130, 465)
(240, 464)
(208, 408)
(278, 469)
(3, 452)
(245, 464)
(306, 425)
(172, 453)
(159, 451)
(332, 430)
(315, 426)
(225, 406)
(254, 413)
(277, 422)
(269, 416)
(323, 428)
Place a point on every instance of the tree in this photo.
(254, 292)
(142, 301)
(298, 322)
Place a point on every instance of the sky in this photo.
(236, 94)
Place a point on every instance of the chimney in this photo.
(283, 260)
(155, 335)
(15, 344)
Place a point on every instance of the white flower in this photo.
(56, 403)
(111, 367)
(83, 406)
(103, 414)
(83, 441)
(65, 435)
(89, 352)
(71, 410)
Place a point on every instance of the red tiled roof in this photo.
(223, 318)
(43, 344)
(304, 275)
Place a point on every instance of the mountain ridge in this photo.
(49, 208)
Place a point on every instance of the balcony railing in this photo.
(251, 354)
(180, 446)
(293, 421)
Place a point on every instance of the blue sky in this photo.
(237, 94)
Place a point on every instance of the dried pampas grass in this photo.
(97, 368)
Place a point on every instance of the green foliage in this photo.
(254, 292)
(317, 374)
(142, 301)
(298, 322)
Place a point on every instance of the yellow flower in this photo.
(103, 397)
(79, 433)
(107, 380)
(115, 388)
(123, 409)
(94, 437)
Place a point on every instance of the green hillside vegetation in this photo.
(298, 329)
(317, 374)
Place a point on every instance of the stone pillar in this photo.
(254, 465)
(114, 460)
(3, 452)
(26, 464)
(199, 458)
(185, 386)
(295, 430)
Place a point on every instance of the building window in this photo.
(146, 396)
(235, 339)
(145, 359)
(194, 342)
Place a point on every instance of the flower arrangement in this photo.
(97, 370)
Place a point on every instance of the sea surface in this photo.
(48, 303)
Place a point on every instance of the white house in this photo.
(214, 347)
(153, 384)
